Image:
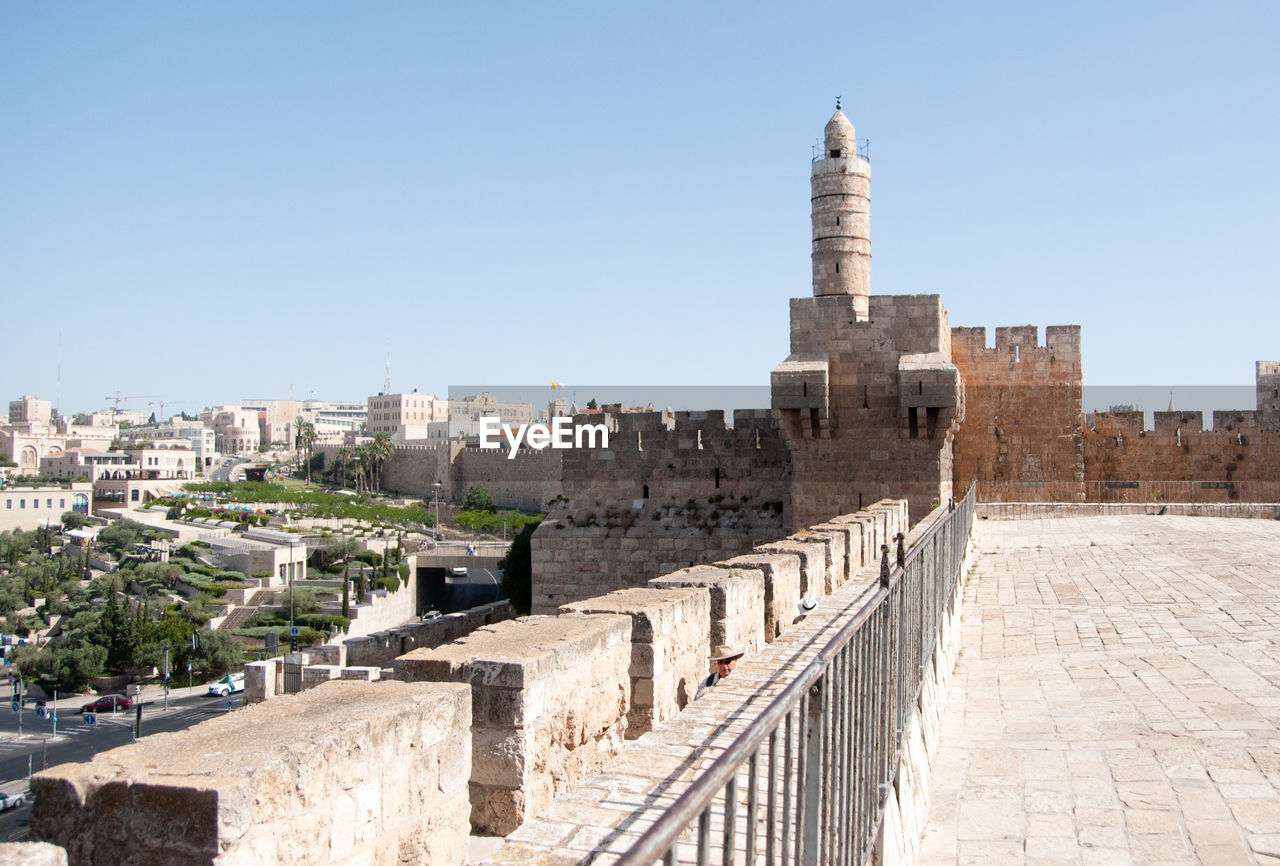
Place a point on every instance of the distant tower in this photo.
(841, 207)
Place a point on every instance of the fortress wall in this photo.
(391, 786)
(592, 823)
(812, 554)
(1022, 422)
(550, 698)
(670, 633)
(520, 711)
(780, 573)
(736, 613)
(412, 470)
(712, 493)
(1179, 461)
(528, 481)
(866, 448)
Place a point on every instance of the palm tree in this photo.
(307, 438)
(344, 460)
(378, 451)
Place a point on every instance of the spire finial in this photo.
(837, 103)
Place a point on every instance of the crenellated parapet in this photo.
(1022, 430)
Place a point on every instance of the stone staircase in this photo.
(241, 614)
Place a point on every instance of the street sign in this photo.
(294, 631)
(40, 712)
(90, 718)
(15, 706)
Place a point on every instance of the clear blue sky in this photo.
(220, 201)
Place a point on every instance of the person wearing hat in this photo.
(807, 605)
(725, 659)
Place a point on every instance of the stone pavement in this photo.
(1117, 696)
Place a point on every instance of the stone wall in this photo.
(528, 482)
(1180, 461)
(672, 490)
(868, 406)
(250, 787)
(381, 648)
(670, 633)
(1022, 431)
(550, 697)
(381, 609)
(605, 814)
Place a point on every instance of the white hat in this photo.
(807, 605)
(725, 653)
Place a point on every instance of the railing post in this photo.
(901, 538)
(813, 773)
(884, 565)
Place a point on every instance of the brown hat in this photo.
(724, 653)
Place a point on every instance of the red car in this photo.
(106, 704)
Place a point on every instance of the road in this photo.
(78, 741)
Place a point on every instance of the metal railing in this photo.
(808, 780)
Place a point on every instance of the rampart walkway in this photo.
(1117, 696)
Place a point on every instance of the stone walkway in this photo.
(1117, 697)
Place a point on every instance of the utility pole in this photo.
(166, 675)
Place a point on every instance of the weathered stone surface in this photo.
(670, 632)
(737, 603)
(31, 854)
(551, 697)
(295, 779)
(781, 575)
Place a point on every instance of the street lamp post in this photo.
(437, 526)
(293, 641)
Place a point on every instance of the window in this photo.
(8, 503)
(62, 503)
(22, 503)
(48, 503)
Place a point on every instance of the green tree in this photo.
(116, 631)
(73, 520)
(14, 545)
(380, 450)
(219, 652)
(63, 666)
(517, 570)
(478, 499)
(121, 535)
(592, 404)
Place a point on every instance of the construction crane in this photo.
(161, 417)
(118, 399)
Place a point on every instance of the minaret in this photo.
(841, 207)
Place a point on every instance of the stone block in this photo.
(813, 561)
(551, 696)
(31, 854)
(366, 674)
(255, 785)
(737, 603)
(314, 675)
(670, 632)
(781, 576)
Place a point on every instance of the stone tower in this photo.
(868, 401)
(840, 187)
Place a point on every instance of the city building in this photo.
(26, 508)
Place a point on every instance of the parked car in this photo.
(11, 801)
(222, 688)
(106, 704)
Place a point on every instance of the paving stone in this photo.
(1118, 675)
